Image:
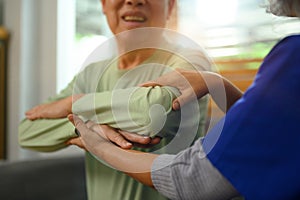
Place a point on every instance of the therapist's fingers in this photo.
(152, 143)
(114, 136)
(111, 134)
(103, 130)
(135, 138)
(150, 84)
(155, 140)
(180, 101)
(140, 141)
(81, 128)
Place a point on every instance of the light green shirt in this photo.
(113, 98)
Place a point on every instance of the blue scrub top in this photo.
(256, 146)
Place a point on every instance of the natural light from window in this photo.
(231, 29)
(210, 12)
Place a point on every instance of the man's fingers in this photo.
(77, 142)
(71, 119)
(72, 141)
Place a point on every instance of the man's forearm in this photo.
(127, 109)
(45, 134)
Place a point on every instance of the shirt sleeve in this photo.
(142, 110)
(47, 134)
(146, 111)
(145, 114)
(190, 175)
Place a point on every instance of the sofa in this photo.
(43, 179)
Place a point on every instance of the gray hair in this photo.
(284, 7)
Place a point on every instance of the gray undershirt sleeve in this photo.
(190, 175)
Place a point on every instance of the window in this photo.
(229, 30)
(233, 29)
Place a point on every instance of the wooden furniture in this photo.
(242, 78)
(237, 72)
(3, 75)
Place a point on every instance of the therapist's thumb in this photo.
(180, 101)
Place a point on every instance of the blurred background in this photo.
(49, 40)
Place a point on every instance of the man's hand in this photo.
(76, 141)
(123, 139)
(58, 109)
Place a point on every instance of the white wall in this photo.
(32, 62)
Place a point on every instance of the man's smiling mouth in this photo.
(134, 19)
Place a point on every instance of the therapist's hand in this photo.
(57, 109)
(89, 138)
(123, 139)
(138, 140)
(191, 85)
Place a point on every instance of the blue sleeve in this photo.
(256, 145)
